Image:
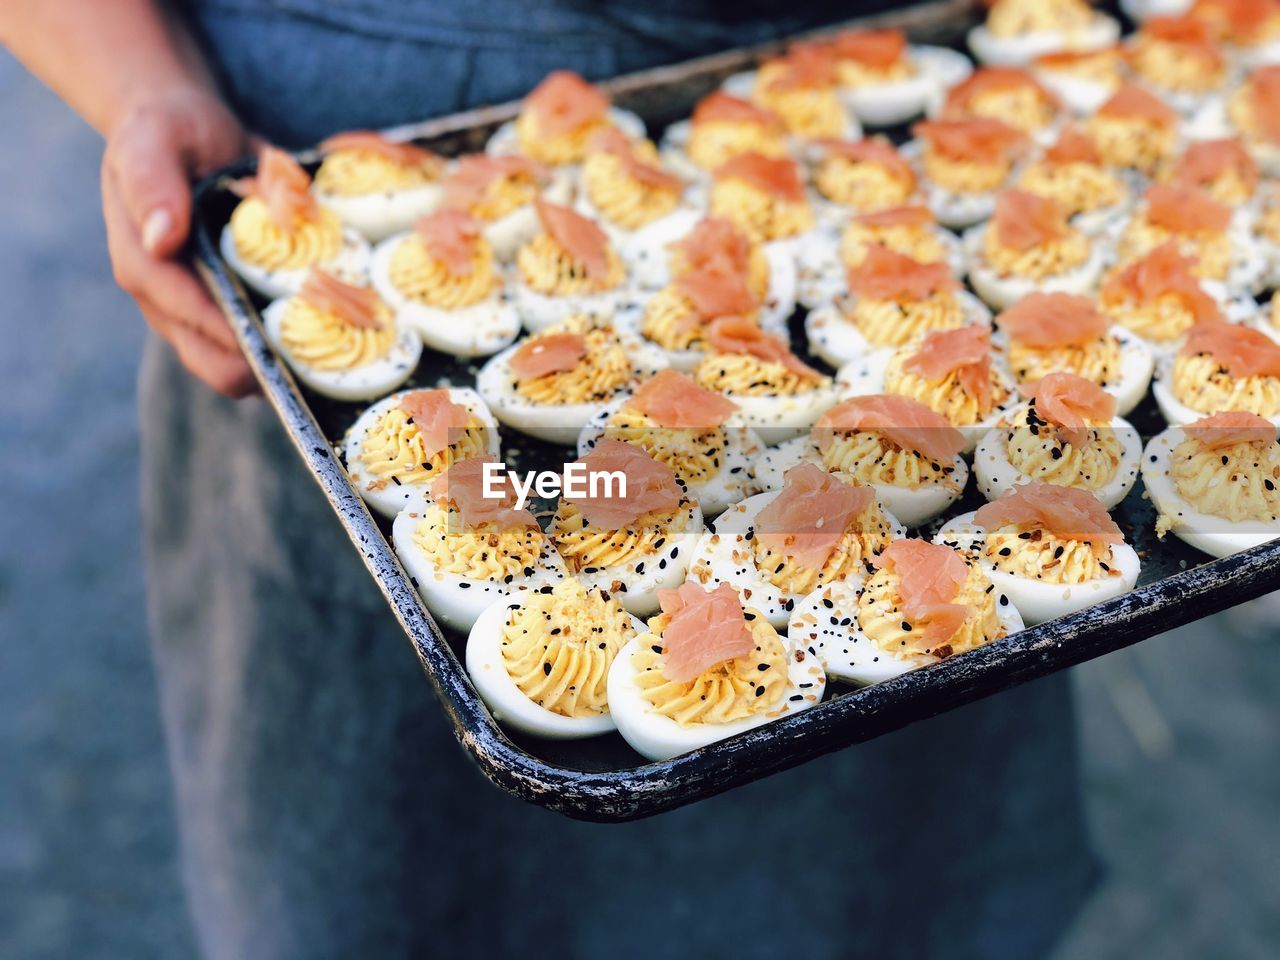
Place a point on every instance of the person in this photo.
(324, 809)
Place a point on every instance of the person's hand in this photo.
(152, 155)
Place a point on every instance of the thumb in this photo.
(148, 162)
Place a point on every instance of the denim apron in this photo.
(324, 808)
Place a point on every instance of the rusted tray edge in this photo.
(854, 717)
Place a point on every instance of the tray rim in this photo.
(854, 717)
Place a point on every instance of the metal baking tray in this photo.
(602, 779)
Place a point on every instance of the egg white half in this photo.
(657, 737)
(475, 331)
(506, 701)
(826, 624)
(350, 264)
(458, 601)
(377, 216)
(839, 341)
(1038, 601)
(1216, 536)
(390, 499)
(889, 104)
(726, 556)
(358, 383)
(912, 507)
(734, 481)
(1019, 51)
(996, 475)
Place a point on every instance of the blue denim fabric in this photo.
(324, 808)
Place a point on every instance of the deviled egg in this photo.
(763, 197)
(964, 163)
(628, 192)
(1249, 110)
(1223, 169)
(501, 192)
(376, 185)
(1134, 130)
(1008, 94)
(1220, 367)
(1071, 173)
(722, 127)
(1177, 58)
(1018, 31)
(886, 82)
(800, 89)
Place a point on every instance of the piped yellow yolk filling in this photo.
(869, 458)
(558, 150)
(393, 450)
(623, 200)
(1173, 67)
(804, 111)
(551, 270)
(1238, 483)
(599, 375)
(1036, 449)
(558, 645)
(742, 375)
(695, 455)
(1132, 142)
(1051, 259)
(859, 184)
(890, 323)
(425, 280)
(324, 341)
(963, 176)
(588, 549)
(921, 243)
(505, 195)
(1164, 319)
(1199, 382)
(757, 214)
(259, 240)
(672, 322)
(359, 173)
(712, 143)
(880, 615)
(476, 553)
(1036, 554)
(1229, 188)
(1076, 187)
(757, 269)
(1103, 68)
(731, 690)
(1211, 251)
(1023, 107)
(855, 73)
(946, 396)
(1017, 18)
(866, 535)
(1097, 360)
(1240, 112)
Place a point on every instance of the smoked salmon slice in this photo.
(906, 423)
(965, 351)
(1191, 34)
(1024, 221)
(1244, 352)
(1132, 102)
(579, 237)
(463, 486)
(738, 335)
(991, 80)
(1163, 271)
(471, 178)
(1071, 403)
(809, 517)
(357, 306)
(650, 486)
(979, 138)
(704, 628)
(450, 236)
(613, 141)
(929, 577)
(1224, 430)
(721, 107)
(885, 274)
(555, 352)
(1264, 97)
(777, 177)
(282, 185)
(673, 400)
(1046, 320)
(806, 66)
(564, 102)
(1073, 146)
(1185, 209)
(873, 150)
(398, 152)
(437, 418)
(911, 215)
(879, 49)
(1207, 160)
(717, 292)
(715, 243)
(1064, 512)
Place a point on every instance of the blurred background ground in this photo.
(1181, 734)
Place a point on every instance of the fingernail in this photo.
(156, 228)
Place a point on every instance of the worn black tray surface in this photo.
(603, 779)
